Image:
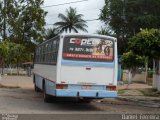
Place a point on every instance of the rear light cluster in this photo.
(111, 88)
(61, 86)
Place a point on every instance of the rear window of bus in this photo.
(88, 49)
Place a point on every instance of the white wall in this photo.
(156, 82)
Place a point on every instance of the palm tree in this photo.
(51, 32)
(71, 21)
(103, 31)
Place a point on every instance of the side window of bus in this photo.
(47, 53)
(57, 44)
(54, 52)
(41, 53)
(37, 55)
(54, 45)
(50, 54)
(57, 48)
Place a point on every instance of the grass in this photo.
(121, 92)
(15, 74)
(9, 87)
(150, 92)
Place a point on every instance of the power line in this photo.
(49, 15)
(64, 3)
(92, 19)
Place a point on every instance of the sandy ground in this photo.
(17, 81)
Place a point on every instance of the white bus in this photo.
(76, 65)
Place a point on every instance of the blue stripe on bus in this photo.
(94, 94)
(66, 93)
(82, 63)
(88, 94)
(105, 94)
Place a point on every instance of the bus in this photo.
(82, 66)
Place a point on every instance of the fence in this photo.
(13, 71)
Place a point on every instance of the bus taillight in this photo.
(111, 88)
(61, 86)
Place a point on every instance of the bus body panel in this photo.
(116, 63)
(86, 75)
(49, 71)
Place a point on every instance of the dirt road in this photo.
(26, 100)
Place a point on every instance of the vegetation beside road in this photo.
(9, 87)
(150, 92)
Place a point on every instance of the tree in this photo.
(11, 53)
(71, 21)
(3, 19)
(24, 21)
(131, 61)
(146, 43)
(105, 31)
(125, 21)
(4, 52)
(51, 32)
(18, 53)
(112, 15)
(27, 21)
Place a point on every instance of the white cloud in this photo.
(90, 9)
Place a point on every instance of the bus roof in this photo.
(87, 34)
(78, 34)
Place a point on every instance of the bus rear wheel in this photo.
(46, 97)
(36, 88)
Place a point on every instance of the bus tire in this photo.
(46, 97)
(36, 88)
(34, 78)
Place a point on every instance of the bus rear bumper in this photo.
(93, 94)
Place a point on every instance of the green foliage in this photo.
(127, 17)
(146, 43)
(51, 32)
(25, 20)
(12, 53)
(71, 21)
(105, 31)
(112, 14)
(29, 22)
(131, 60)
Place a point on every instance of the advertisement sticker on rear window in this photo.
(88, 49)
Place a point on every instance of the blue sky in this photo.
(90, 9)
